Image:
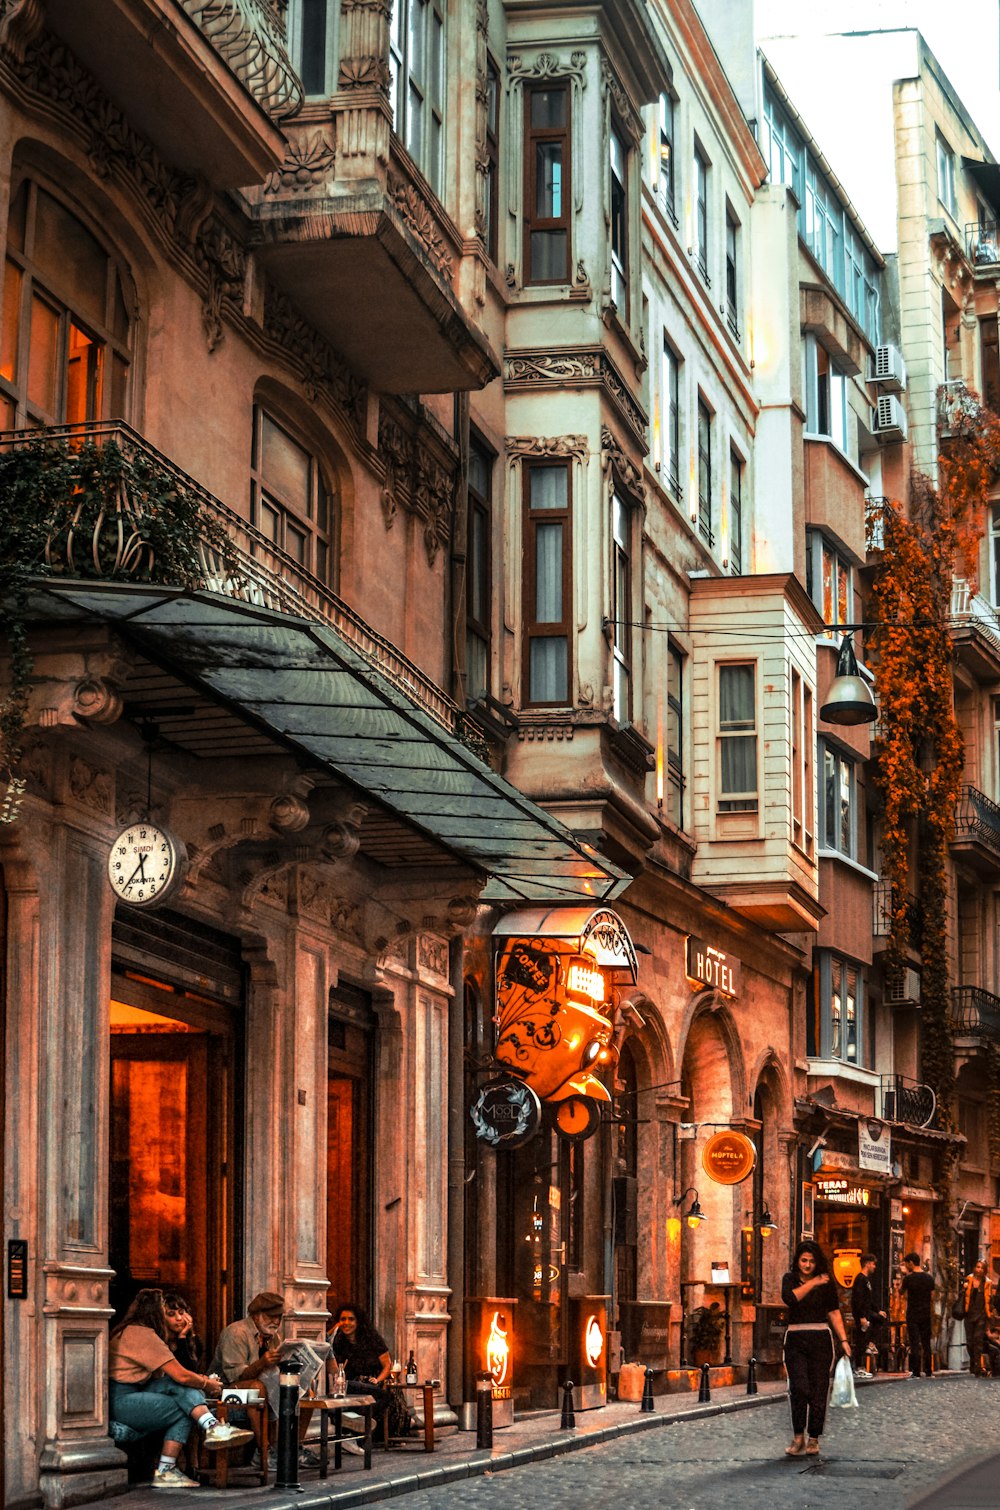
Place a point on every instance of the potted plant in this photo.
(704, 1332)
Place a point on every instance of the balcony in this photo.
(976, 839)
(367, 254)
(975, 1013)
(205, 83)
(882, 915)
(235, 559)
(982, 246)
(905, 1100)
(975, 631)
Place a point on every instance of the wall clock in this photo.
(147, 865)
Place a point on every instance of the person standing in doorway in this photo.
(868, 1321)
(978, 1311)
(917, 1288)
(814, 1324)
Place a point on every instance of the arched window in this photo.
(64, 341)
(291, 502)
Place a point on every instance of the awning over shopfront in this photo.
(595, 931)
(322, 698)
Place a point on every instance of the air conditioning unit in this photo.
(902, 988)
(889, 370)
(890, 418)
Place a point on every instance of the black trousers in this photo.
(862, 1338)
(975, 1341)
(918, 1331)
(808, 1363)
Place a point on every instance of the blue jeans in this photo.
(159, 1405)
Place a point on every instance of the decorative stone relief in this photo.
(89, 786)
(97, 700)
(626, 112)
(539, 733)
(548, 65)
(307, 165)
(224, 263)
(616, 463)
(342, 838)
(21, 22)
(422, 223)
(319, 366)
(519, 446)
(364, 45)
(432, 955)
(418, 476)
(552, 367)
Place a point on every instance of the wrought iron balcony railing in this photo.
(905, 1100)
(977, 817)
(250, 36)
(957, 406)
(970, 610)
(975, 1013)
(982, 243)
(882, 914)
(251, 569)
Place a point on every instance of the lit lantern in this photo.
(497, 1351)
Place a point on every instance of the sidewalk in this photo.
(531, 1439)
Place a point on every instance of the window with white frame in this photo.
(416, 83)
(312, 43)
(619, 222)
(828, 412)
(705, 473)
(736, 737)
(621, 599)
(701, 211)
(803, 790)
(735, 513)
(946, 176)
(782, 147)
(670, 418)
(289, 502)
(675, 737)
(829, 581)
(666, 185)
(839, 802)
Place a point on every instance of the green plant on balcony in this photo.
(77, 509)
(704, 1331)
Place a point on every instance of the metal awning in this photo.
(596, 931)
(322, 698)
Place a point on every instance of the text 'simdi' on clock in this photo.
(146, 864)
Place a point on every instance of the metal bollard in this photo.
(484, 1410)
(752, 1377)
(287, 1475)
(568, 1420)
(647, 1407)
(705, 1387)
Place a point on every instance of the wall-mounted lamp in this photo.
(849, 700)
(694, 1216)
(767, 1224)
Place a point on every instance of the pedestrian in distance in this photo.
(868, 1319)
(977, 1309)
(917, 1288)
(814, 1326)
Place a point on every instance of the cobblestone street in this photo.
(898, 1444)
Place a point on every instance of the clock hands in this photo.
(140, 871)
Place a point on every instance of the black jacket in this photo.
(863, 1306)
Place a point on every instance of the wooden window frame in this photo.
(749, 800)
(491, 240)
(670, 390)
(320, 498)
(481, 504)
(674, 760)
(563, 628)
(535, 136)
(803, 784)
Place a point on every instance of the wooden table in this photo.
(334, 1406)
(428, 1387)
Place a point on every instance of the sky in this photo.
(965, 39)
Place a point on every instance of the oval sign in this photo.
(506, 1113)
(728, 1158)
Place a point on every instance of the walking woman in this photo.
(814, 1322)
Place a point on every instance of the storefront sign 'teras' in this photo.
(842, 1192)
(708, 966)
(728, 1158)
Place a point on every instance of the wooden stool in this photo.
(335, 1407)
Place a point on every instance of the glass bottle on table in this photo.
(339, 1382)
(411, 1369)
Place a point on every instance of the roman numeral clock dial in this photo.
(147, 864)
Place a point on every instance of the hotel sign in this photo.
(708, 966)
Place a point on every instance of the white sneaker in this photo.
(224, 1435)
(172, 1478)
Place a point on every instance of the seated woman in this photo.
(364, 1355)
(182, 1340)
(152, 1391)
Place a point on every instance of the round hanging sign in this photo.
(728, 1158)
(506, 1113)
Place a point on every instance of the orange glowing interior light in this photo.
(497, 1351)
(583, 980)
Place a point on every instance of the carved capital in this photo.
(520, 446)
(616, 463)
(307, 165)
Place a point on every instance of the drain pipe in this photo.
(456, 1175)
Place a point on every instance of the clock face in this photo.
(146, 865)
(577, 1117)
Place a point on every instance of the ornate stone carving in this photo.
(89, 786)
(630, 409)
(364, 45)
(319, 366)
(548, 65)
(519, 446)
(223, 261)
(624, 109)
(242, 33)
(552, 367)
(307, 164)
(98, 700)
(363, 73)
(432, 955)
(21, 22)
(421, 222)
(615, 461)
(342, 838)
(418, 477)
(537, 733)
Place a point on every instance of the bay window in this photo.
(737, 737)
(837, 1024)
(547, 191)
(416, 83)
(547, 606)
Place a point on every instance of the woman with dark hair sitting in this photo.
(363, 1354)
(813, 1307)
(152, 1391)
(182, 1340)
